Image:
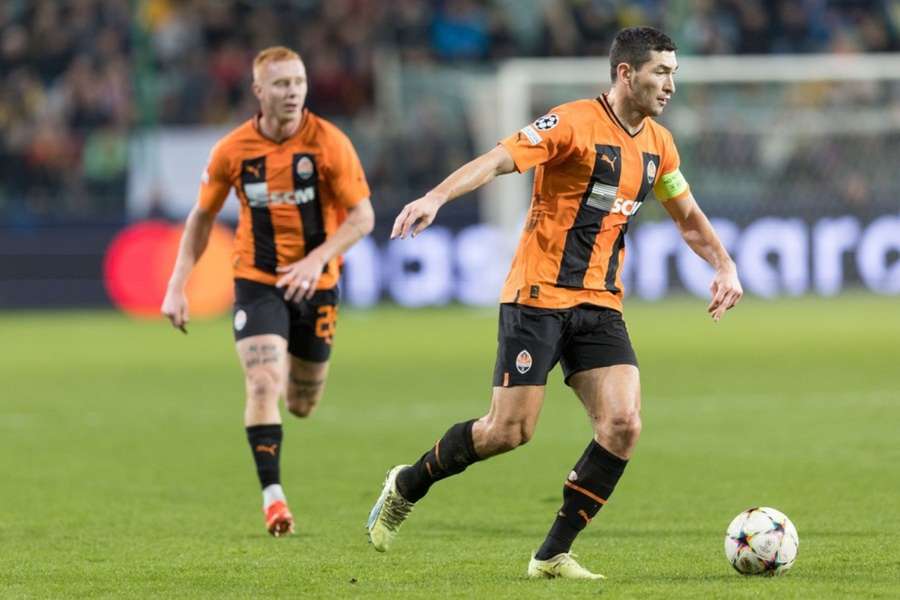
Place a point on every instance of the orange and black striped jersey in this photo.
(293, 194)
(592, 176)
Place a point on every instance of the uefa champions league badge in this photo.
(546, 122)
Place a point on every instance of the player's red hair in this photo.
(272, 54)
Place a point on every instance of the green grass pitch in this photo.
(126, 473)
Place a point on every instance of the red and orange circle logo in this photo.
(139, 261)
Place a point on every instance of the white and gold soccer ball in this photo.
(761, 541)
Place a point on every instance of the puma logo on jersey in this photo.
(270, 449)
(611, 161)
(253, 170)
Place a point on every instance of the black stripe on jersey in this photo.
(583, 232)
(649, 175)
(306, 181)
(253, 172)
(613, 266)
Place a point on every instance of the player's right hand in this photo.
(726, 291)
(175, 308)
(416, 216)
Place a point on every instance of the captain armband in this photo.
(671, 185)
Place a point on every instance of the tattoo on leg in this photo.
(262, 355)
(270, 354)
(306, 385)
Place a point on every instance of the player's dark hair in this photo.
(633, 45)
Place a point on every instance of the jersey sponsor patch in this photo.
(547, 122)
(625, 207)
(672, 184)
(602, 196)
(533, 136)
(523, 362)
(257, 193)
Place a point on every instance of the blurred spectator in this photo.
(407, 30)
(459, 30)
(80, 74)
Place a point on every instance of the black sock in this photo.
(450, 455)
(265, 443)
(587, 488)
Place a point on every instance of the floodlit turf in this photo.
(125, 471)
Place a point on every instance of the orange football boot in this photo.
(279, 520)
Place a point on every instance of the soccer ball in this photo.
(761, 541)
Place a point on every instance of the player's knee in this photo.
(510, 435)
(625, 426)
(302, 404)
(300, 408)
(263, 386)
(526, 432)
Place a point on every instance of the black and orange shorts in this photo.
(307, 325)
(530, 341)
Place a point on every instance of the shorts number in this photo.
(326, 323)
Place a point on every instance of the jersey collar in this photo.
(304, 124)
(604, 102)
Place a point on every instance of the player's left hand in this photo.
(300, 278)
(726, 291)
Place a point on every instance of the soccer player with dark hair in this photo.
(304, 201)
(595, 162)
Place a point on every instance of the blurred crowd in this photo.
(66, 105)
(79, 76)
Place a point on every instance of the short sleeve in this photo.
(549, 138)
(216, 181)
(671, 183)
(347, 178)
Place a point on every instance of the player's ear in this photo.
(625, 72)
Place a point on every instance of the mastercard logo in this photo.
(139, 261)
